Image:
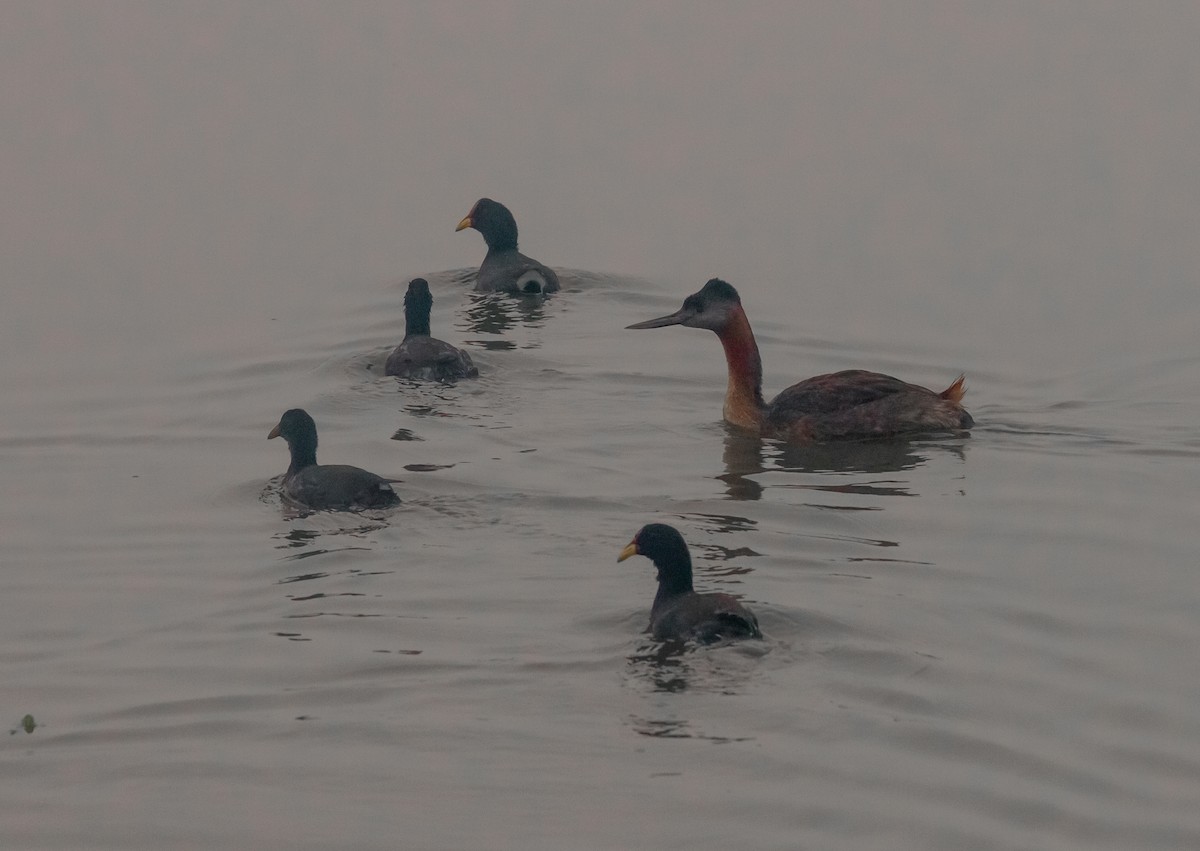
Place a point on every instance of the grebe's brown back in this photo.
(849, 405)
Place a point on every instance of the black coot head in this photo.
(664, 546)
(657, 542)
(494, 221)
(296, 426)
(418, 293)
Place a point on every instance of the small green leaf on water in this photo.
(28, 724)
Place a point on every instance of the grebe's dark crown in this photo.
(716, 288)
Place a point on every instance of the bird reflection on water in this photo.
(722, 523)
(295, 538)
(673, 666)
(674, 728)
(747, 456)
(494, 314)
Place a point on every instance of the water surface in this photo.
(210, 214)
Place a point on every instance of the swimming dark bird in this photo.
(505, 269)
(325, 485)
(678, 611)
(849, 405)
(420, 355)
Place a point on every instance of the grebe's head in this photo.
(711, 308)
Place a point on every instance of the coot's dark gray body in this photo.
(325, 486)
(678, 612)
(420, 355)
(505, 269)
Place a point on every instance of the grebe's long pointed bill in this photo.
(629, 551)
(677, 318)
(274, 433)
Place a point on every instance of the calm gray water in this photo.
(209, 214)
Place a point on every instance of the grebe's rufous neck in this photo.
(849, 405)
(678, 611)
(325, 485)
(504, 268)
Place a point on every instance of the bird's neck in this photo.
(671, 585)
(744, 404)
(500, 246)
(302, 456)
(416, 323)
(502, 238)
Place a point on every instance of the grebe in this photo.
(420, 355)
(505, 269)
(678, 611)
(849, 405)
(325, 485)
